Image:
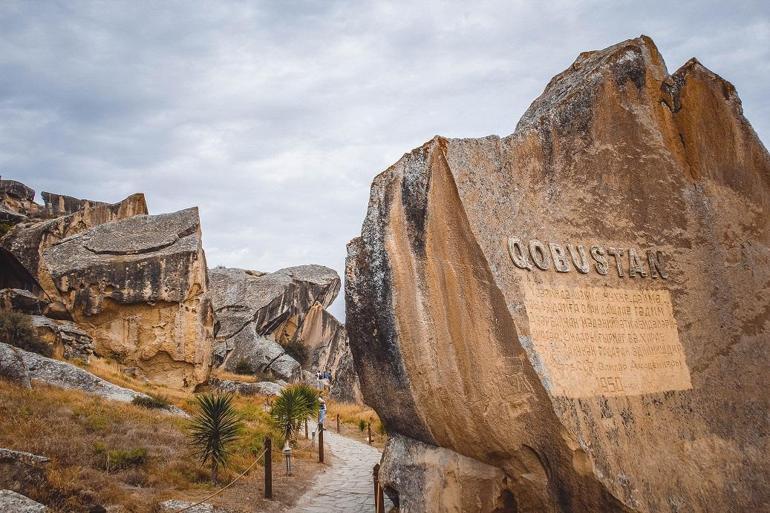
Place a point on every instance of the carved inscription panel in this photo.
(605, 341)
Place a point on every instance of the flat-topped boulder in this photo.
(582, 305)
(27, 241)
(138, 286)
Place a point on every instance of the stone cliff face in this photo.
(581, 309)
(139, 287)
(259, 313)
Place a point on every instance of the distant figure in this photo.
(321, 411)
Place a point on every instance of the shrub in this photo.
(295, 404)
(361, 425)
(119, 459)
(213, 430)
(244, 367)
(151, 401)
(297, 350)
(16, 329)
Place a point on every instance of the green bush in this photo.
(16, 329)
(361, 425)
(157, 402)
(214, 429)
(119, 459)
(298, 351)
(290, 409)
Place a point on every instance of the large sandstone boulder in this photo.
(582, 305)
(257, 312)
(139, 287)
(327, 338)
(27, 241)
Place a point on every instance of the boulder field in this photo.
(112, 281)
(576, 317)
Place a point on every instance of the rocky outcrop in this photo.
(582, 305)
(258, 312)
(328, 341)
(66, 338)
(12, 502)
(57, 205)
(243, 388)
(28, 241)
(20, 470)
(17, 202)
(138, 287)
(12, 366)
(34, 368)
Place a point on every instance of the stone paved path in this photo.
(345, 486)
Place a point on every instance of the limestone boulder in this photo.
(12, 366)
(27, 242)
(582, 305)
(252, 308)
(138, 286)
(57, 205)
(12, 502)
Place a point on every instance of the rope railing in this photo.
(231, 483)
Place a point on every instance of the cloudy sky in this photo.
(273, 117)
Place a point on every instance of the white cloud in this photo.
(274, 116)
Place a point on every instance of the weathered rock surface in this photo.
(257, 312)
(67, 338)
(12, 502)
(593, 378)
(12, 366)
(56, 373)
(243, 388)
(27, 241)
(139, 287)
(328, 341)
(19, 470)
(17, 202)
(56, 205)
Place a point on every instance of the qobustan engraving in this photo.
(626, 262)
(606, 341)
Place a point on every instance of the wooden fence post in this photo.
(338, 423)
(306, 429)
(268, 468)
(320, 442)
(369, 428)
(378, 508)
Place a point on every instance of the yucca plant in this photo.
(213, 429)
(294, 404)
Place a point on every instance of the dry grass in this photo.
(79, 431)
(351, 417)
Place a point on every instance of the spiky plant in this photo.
(214, 428)
(294, 404)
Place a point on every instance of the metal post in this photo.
(320, 443)
(268, 468)
(338, 423)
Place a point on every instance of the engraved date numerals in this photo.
(610, 384)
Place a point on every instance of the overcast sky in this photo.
(273, 117)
